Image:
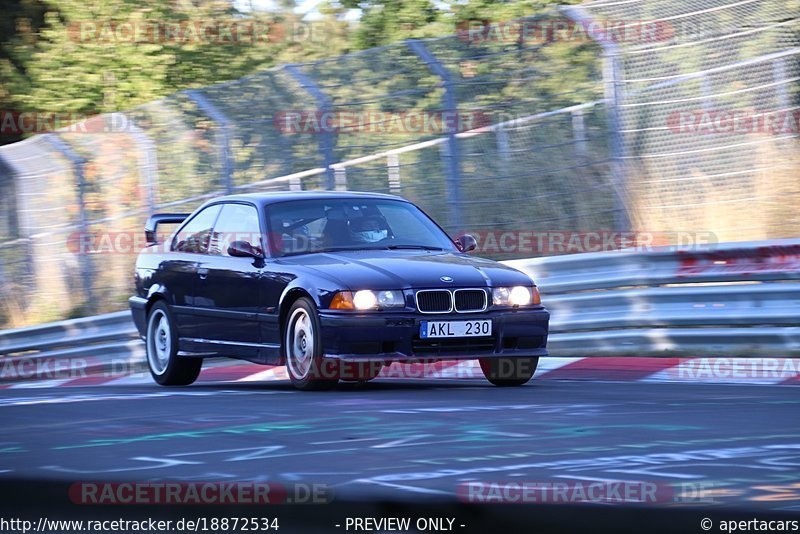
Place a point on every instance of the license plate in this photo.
(478, 328)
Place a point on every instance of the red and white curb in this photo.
(764, 371)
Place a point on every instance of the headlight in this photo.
(391, 299)
(367, 300)
(515, 296)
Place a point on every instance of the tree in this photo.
(82, 58)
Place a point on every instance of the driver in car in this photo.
(368, 229)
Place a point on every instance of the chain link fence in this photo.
(708, 116)
(488, 131)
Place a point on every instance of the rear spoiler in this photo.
(159, 218)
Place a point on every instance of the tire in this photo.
(166, 367)
(509, 372)
(302, 346)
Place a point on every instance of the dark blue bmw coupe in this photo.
(332, 285)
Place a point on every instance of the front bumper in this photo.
(394, 336)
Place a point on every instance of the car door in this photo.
(228, 291)
(277, 275)
(178, 272)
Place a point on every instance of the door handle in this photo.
(203, 273)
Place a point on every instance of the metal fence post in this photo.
(340, 178)
(148, 158)
(707, 90)
(393, 170)
(324, 106)
(224, 141)
(614, 96)
(78, 163)
(452, 157)
(579, 133)
(503, 150)
(9, 189)
(780, 76)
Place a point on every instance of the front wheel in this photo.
(166, 367)
(305, 365)
(508, 371)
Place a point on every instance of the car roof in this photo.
(263, 199)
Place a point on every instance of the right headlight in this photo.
(515, 296)
(366, 299)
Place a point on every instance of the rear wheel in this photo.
(166, 367)
(508, 371)
(305, 365)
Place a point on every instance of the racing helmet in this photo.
(368, 229)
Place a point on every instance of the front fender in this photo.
(320, 291)
(159, 291)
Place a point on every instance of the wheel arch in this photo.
(155, 293)
(151, 301)
(291, 296)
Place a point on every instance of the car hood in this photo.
(395, 269)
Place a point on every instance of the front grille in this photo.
(449, 300)
(435, 301)
(470, 300)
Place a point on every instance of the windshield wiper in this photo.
(413, 247)
(385, 247)
(352, 249)
(342, 249)
(327, 249)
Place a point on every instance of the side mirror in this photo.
(243, 249)
(466, 243)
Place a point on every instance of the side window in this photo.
(237, 222)
(194, 236)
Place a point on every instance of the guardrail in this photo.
(86, 331)
(729, 299)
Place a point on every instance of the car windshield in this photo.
(327, 225)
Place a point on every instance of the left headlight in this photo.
(367, 299)
(515, 296)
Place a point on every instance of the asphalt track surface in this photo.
(736, 447)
